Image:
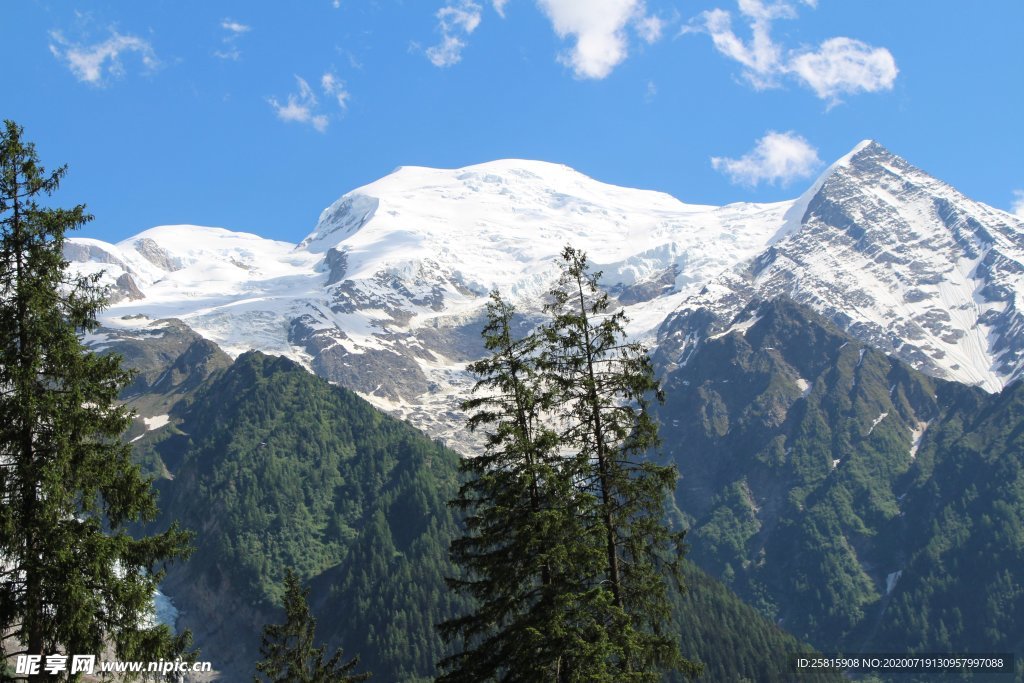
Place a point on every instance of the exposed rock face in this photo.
(157, 255)
(337, 265)
(387, 294)
(126, 288)
(898, 259)
(89, 251)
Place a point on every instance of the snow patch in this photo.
(877, 420)
(164, 612)
(156, 422)
(915, 437)
(891, 580)
(740, 327)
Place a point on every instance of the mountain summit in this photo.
(386, 294)
(901, 261)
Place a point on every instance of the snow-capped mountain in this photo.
(386, 295)
(898, 259)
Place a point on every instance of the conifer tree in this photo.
(525, 550)
(567, 549)
(287, 649)
(72, 579)
(603, 386)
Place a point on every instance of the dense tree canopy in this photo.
(73, 579)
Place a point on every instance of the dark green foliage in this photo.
(961, 587)
(289, 655)
(72, 578)
(788, 511)
(281, 469)
(732, 640)
(871, 509)
(527, 554)
(568, 552)
(384, 596)
(602, 386)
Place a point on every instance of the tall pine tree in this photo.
(567, 549)
(603, 386)
(525, 550)
(288, 652)
(72, 579)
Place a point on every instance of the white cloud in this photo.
(234, 26)
(649, 28)
(761, 57)
(499, 7)
(844, 66)
(300, 107)
(776, 158)
(839, 66)
(599, 29)
(230, 40)
(304, 106)
(92, 63)
(335, 88)
(651, 91)
(446, 53)
(454, 21)
(1017, 208)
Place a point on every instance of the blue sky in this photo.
(255, 115)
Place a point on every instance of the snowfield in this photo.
(386, 294)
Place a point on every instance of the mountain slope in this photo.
(276, 468)
(863, 505)
(385, 296)
(279, 469)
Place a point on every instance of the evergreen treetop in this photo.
(603, 386)
(567, 551)
(289, 655)
(73, 579)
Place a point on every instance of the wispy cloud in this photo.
(499, 7)
(599, 28)
(233, 31)
(837, 67)
(94, 63)
(300, 107)
(335, 88)
(234, 26)
(1018, 204)
(776, 158)
(304, 106)
(455, 22)
(651, 91)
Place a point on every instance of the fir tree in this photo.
(567, 550)
(524, 549)
(287, 649)
(72, 579)
(603, 387)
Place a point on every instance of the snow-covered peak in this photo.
(501, 225)
(437, 200)
(387, 293)
(900, 259)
